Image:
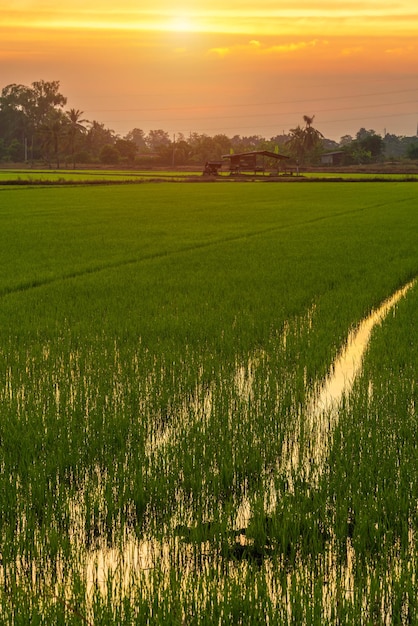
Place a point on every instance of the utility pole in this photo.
(174, 148)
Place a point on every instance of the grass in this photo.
(157, 345)
(18, 177)
(24, 177)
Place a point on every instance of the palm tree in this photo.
(75, 127)
(312, 135)
(296, 143)
(303, 141)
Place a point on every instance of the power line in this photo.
(280, 124)
(259, 115)
(252, 104)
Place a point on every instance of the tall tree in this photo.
(304, 141)
(51, 131)
(371, 142)
(127, 149)
(313, 136)
(412, 151)
(32, 107)
(97, 137)
(16, 123)
(158, 139)
(75, 128)
(366, 148)
(296, 143)
(46, 98)
(137, 135)
(45, 106)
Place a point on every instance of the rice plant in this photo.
(160, 347)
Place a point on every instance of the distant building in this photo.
(332, 158)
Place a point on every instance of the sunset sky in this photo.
(233, 66)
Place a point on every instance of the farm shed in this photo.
(253, 161)
(332, 158)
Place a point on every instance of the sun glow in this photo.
(182, 24)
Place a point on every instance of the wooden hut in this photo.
(254, 161)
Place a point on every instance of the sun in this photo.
(182, 24)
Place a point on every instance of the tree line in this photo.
(36, 127)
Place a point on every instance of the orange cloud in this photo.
(401, 51)
(354, 51)
(222, 52)
(294, 46)
(256, 47)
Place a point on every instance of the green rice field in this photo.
(161, 346)
(69, 176)
(33, 176)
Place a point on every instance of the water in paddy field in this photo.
(137, 560)
(320, 417)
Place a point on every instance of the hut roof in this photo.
(254, 153)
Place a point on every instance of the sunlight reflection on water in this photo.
(303, 455)
(320, 417)
(307, 454)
